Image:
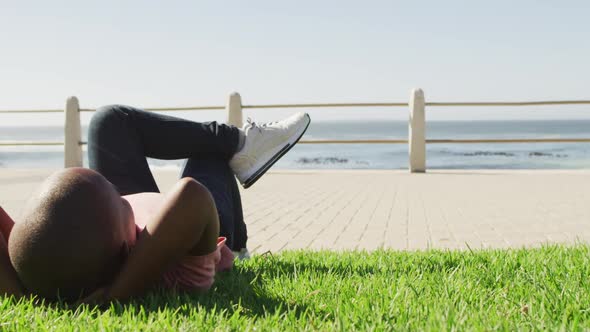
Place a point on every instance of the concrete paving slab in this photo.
(372, 209)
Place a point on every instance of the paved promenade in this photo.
(369, 209)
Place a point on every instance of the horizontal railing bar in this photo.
(463, 141)
(523, 140)
(370, 141)
(25, 143)
(155, 109)
(378, 141)
(511, 103)
(170, 109)
(373, 141)
(32, 111)
(321, 105)
(190, 108)
(327, 105)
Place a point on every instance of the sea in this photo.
(373, 156)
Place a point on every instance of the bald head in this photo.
(70, 236)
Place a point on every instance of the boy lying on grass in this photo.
(106, 233)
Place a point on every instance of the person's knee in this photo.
(197, 196)
(105, 116)
(204, 222)
(193, 189)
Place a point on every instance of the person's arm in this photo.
(9, 282)
(187, 223)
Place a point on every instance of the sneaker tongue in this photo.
(248, 126)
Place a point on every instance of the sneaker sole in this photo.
(266, 166)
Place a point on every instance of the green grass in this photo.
(536, 289)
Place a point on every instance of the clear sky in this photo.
(180, 53)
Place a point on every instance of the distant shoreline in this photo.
(375, 156)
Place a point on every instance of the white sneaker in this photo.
(265, 144)
(241, 255)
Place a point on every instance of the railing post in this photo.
(417, 132)
(234, 110)
(73, 134)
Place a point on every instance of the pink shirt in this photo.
(191, 272)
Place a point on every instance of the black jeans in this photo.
(121, 137)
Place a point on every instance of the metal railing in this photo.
(416, 139)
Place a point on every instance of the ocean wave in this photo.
(547, 154)
(486, 153)
(322, 160)
(505, 154)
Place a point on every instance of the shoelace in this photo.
(259, 127)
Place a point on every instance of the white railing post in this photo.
(73, 134)
(417, 132)
(234, 110)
